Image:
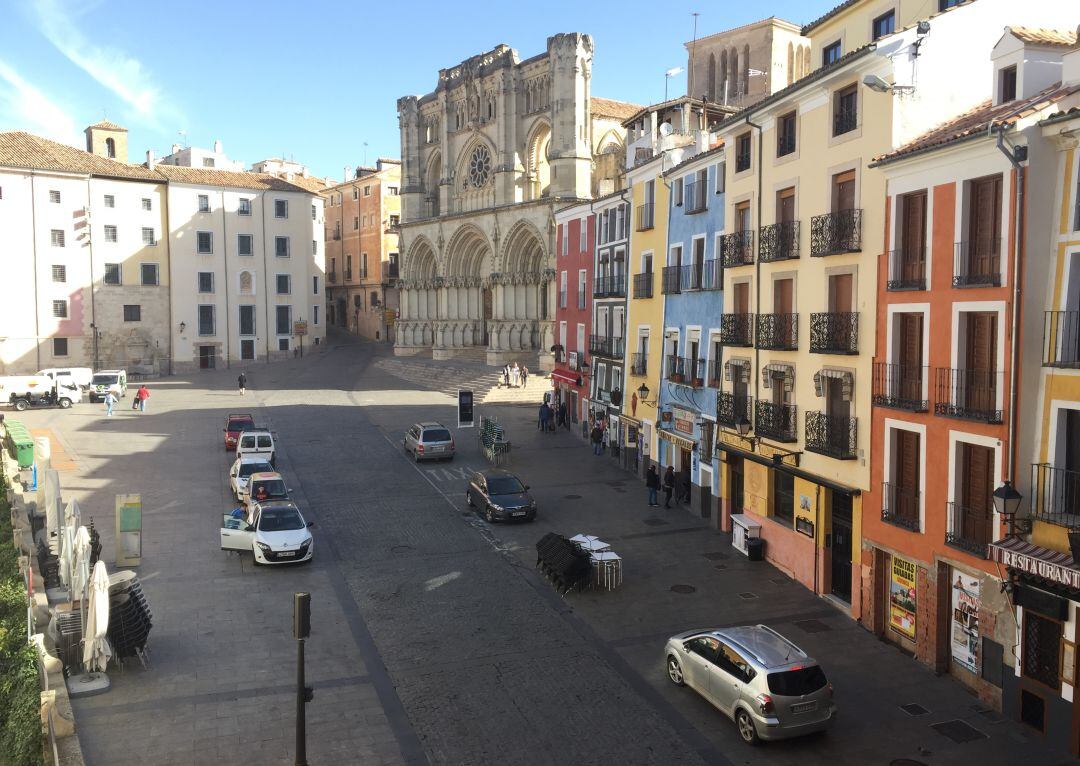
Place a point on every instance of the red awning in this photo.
(565, 377)
(1036, 560)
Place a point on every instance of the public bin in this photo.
(19, 443)
(755, 549)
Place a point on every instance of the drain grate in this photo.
(684, 589)
(747, 595)
(813, 626)
(716, 556)
(655, 522)
(906, 762)
(914, 709)
(720, 566)
(571, 497)
(958, 731)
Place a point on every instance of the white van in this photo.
(258, 443)
(108, 380)
(81, 375)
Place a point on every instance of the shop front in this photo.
(687, 445)
(569, 392)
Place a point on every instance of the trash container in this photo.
(755, 549)
(20, 445)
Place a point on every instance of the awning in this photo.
(847, 381)
(1052, 565)
(743, 366)
(679, 441)
(564, 377)
(776, 370)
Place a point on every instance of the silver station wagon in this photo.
(429, 441)
(768, 686)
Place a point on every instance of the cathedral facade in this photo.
(487, 157)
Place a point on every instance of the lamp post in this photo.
(1007, 502)
(643, 395)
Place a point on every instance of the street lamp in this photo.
(668, 75)
(743, 426)
(643, 395)
(1007, 502)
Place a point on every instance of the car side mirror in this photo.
(526, 486)
(311, 523)
(249, 528)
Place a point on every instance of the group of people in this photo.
(598, 436)
(669, 482)
(515, 375)
(551, 415)
(138, 402)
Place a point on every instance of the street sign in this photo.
(464, 409)
(300, 327)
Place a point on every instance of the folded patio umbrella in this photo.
(96, 649)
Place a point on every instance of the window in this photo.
(720, 170)
(677, 192)
(204, 242)
(884, 24)
(247, 320)
(356, 222)
(367, 191)
(1007, 91)
(147, 203)
(314, 285)
(845, 110)
(355, 193)
(785, 134)
(110, 234)
(281, 208)
(830, 53)
(132, 313)
(1076, 213)
(363, 266)
(206, 281)
(244, 244)
(395, 221)
(314, 212)
(59, 309)
(284, 320)
(112, 274)
(583, 242)
(206, 320)
(281, 247)
(392, 191)
(208, 162)
(244, 206)
(57, 237)
(283, 344)
(148, 236)
(59, 273)
(148, 274)
(54, 196)
(581, 276)
(565, 238)
(1042, 649)
(562, 289)
(784, 496)
(110, 148)
(944, 5)
(314, 247)
(110, 200)
(204, 203)
(60, 346)
(315, 314)
(742, 152)
(284, 284)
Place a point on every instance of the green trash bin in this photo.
(20, 444)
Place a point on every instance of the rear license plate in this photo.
(518, 513)
(287, 554)
(804, 707)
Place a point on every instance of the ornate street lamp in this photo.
(1007, 502)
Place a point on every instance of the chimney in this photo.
(150, 161)
(175, 148)
(217, 147)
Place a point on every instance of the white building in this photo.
(195, 157)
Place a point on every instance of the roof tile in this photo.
(619, 110)
(1040, 36)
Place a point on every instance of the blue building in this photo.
(692, 288)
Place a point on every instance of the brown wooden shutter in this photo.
(742, 298)
(785, 205)
(844, 191)
(840, 293)
(782, 296)
(913, 237)
(907, 461)
(977, 481)
(981, 341)
(984, 225)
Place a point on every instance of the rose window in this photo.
(479, 166)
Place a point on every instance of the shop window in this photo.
(1042, 649)
(784, 496)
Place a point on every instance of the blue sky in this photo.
(314, 81)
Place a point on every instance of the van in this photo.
(256, 443)
(81, 375)
(105, 381)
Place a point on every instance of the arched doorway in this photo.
(468, 257)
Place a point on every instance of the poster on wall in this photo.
(902, 597)
(964, 640)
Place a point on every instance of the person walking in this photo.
(110, 402)
(524, 375)
(652, 483)
(597, 438)
(506, 374)
(541, 417)
(669, 485)
(141, 396)
(242, 380)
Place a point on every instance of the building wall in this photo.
(853, 26)
(569, 224)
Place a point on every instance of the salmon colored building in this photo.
(575, 239)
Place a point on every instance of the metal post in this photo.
(301, 697)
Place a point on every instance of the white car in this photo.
(275, 533)
(256, 443)
(241, 472)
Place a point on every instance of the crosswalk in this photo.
(448, 377)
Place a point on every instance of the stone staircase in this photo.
(449, 376)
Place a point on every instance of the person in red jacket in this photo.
(141, 396)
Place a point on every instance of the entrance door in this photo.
(844, 191)
(206, 357)
(841, 546)
(247, 348)
(735, 488)
(486, 295)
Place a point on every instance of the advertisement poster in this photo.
(964, 639)
(902, 597)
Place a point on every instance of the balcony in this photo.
(602, 345)
(1055, 495)
(694, 197)
(687, 371)
(836, 233)
(731, 409)
(737, 329)
(392, 271)
(715, 373)
(574, 361)
(832, 435)
(779, 242)
(977, 264)
(645, 217)
(392, 226)
(610, 287)
(967, 394)
(1061, 339)
(899, 387)
(907, 271)
(639, 364)
(970, 529)
(845, 120)
(900, 507)
(834, 333)
(671, 280)
(778, 332)
(775, 421)
(337, 236)
(348, 275)
(643, 285)
(738, 248)
(331, 277)
(742, 161)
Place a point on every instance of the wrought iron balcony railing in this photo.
(694, 197)
(639, 364)
(613, 286)
(348, 274)
(900, 506)
(603, 345)
(970, 529)
(1061, 339)
(643, 285)
(700, 276)
(392, 271)
(331, 277)
(907, 271)
(731, 409)
(775, 421)
(899, 386)
(779, 242)
(978, 263)
(688, 371)
(832, 435)
(968, 394)
(778, 332)
(834, 333)
(1055, 495)
(645, 217)
(737, 329)
(836, 233)
(671, 280)
(738, 248)
(581, 299)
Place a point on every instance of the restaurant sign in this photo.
(1036, 560)
(684, 420)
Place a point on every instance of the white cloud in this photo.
(30, 109)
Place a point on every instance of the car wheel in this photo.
(489, 515)
(65, 403)
(20, 405)
(747, 731)
(674, 671)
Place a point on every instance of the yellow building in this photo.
(855, 23)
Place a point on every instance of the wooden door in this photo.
(906, 474)
(913, 237)
(785, 205)
(840, 293)
(844, 191)
(980, 375)
(742, 216)
(742, 298)
(984, 226)
(783, 291)
(909, 374)
(842, 534)
(976, 493)
(835, 404)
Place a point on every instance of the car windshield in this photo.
(246, 469)
(270, 489)
(280, 520)
(504, 485)
(104, 380)
(436, 435)
(795, 683)
(240, 425)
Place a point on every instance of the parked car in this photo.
(429, 441)
(265, 487)
(762, 681)
(258, 442)
(80, 375)
(105, 381)
(234, 424)
(241, 471)
(500, 496)
(275, 533)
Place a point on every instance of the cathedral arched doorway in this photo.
(488, 315)
(468, 257)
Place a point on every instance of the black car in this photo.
(500, 496)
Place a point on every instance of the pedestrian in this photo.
(110, 402)
(506, 374)
(652, 483)
(563, 415)
(524, 375)
(684, 487)
(515, 375)
(669, 485)
(541, 417)
(597, 438)
(141, 396)
(242, 380)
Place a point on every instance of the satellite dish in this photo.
(666, 129)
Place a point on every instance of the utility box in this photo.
(743, 528)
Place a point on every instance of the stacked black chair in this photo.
(562, 562)
(69, 640)
(48, 565)
(95, 544)
(130, 619)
